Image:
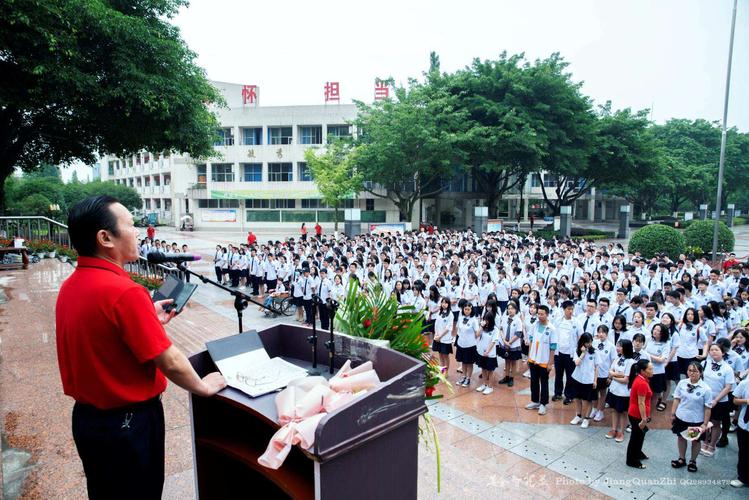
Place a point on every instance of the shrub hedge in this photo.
(656, 239)
(700, 234)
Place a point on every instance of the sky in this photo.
(666, 55)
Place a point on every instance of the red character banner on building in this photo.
(249, 94)
(332, 92)
(381, 91)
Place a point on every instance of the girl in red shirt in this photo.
(640, 395)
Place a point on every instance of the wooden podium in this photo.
(367, 449)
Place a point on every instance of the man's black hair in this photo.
(87, 218)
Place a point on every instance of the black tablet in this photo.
(177, 290)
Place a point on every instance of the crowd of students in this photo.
(614, 329)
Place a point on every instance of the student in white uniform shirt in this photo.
(509, 346)
(605, 355)
(468, 329)
(618, 396)
(443, 333)
(487, 352)
(324, 293)
(585, 379)
(659, 350)
(741, 400)
(739, 346)
(542, 344)
(719, 376)
(569, 332)
(486, 288)
(621, 307)
(691, 408)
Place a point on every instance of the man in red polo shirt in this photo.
(114, 355)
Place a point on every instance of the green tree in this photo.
(35, 204)
(496, 135)
(692, 149)
(125, 194)
(79, 77)
(626, 159)
(406, 145)
(333, 172)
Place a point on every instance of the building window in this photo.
(304, 173)
(338, 131)
(280, 172)
(148, 204)
(257, 203)
(222, 172)
(279, 135)
(310, 134)
(202, 178)
(550, 180)
(111, 168)
(252, 136)
(275, 204)
(536, 180)
(369, 204)
(252, 172)
(225, 137)
(313, 203)
(218, 203)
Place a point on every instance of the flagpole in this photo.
(723, 137)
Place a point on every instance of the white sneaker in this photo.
(481, 388)
(488, 390)
(737, 483)
(585, 424)
(629, 428)
(527, 374)
(542, 410)
(576, 420)
(599, 416)
(532, 406)
(593, 413)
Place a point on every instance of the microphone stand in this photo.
(241, 299)
(312, 339)
(332, 306)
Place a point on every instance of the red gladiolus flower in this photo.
(366, 323)
(429, 391)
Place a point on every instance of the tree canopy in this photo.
(80, 77)
(334, 173)
(406, 144)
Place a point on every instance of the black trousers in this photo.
(235, 274)
(563, 368)
(122, 450)
(742, 466)
(539, 383)
(218, 273)
(324, 317)
(307, 304)
(255, 280)
(636, 440)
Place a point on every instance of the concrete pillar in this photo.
(603, 210)
(731, 214)
(352, 222)
(526, 203)
(624, 211)
(480, 219)
(703, 212)
(591, 209)
(565, 221)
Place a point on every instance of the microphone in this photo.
(160, 258)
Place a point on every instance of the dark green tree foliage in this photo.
(79, 77)
(656, 239)
(405, 144)
(700, 234)
(498, 139)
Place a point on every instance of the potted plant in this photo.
(373, 314)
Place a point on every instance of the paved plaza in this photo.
(490, 445)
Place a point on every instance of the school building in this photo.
(260, 179)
